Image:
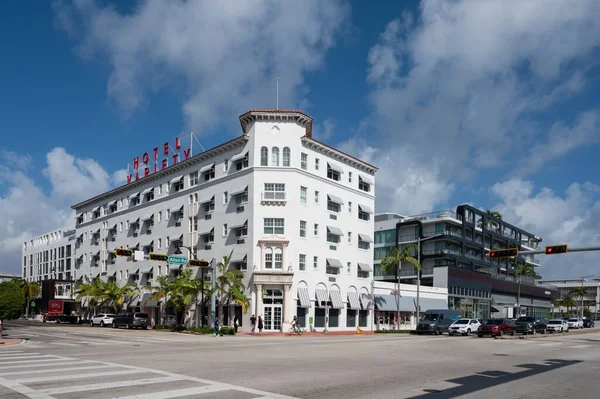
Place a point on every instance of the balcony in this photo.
(531, 244)
(531, 259)
(445, 251)
(448, 232)
(273, 197)
(434, 215)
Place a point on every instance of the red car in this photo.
(496, 327)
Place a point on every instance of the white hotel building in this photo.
(49, 256)
(297, 214)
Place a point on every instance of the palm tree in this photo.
(92, 290)
(160, 293)
(392, 264)
(522, 269)
(494, 214)
(183, 290)
(568, 301)
(31, 290)
(556, 303)
(115, 296)
(579, 292)
(229, 286)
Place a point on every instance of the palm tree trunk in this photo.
(27, 312)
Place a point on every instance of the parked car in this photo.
(575, 323)
(102, 319)
(464, 327)
(588, 323)
(531, 325)
(132, 320)
(496, 327)
(437, 321)
(558, 325)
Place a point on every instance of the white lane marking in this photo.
(19, 359)
(14, 355)
(77, 376)
(2, 353)
(179, 392)
(56, 370)
(59, 363)
(551, 344)
(110, 385)
(62, 344)
(23, 390)
(579, 346)
(56, 358)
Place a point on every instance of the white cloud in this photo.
(474, 85)
(19, 161)
(323, 131)
(222, 57)
(26, 210)
(570, 218)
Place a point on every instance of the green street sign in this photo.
(33, 304)
(178, 260)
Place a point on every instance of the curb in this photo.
(10, 342)
(540, 336)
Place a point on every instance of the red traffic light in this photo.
(557, 249)
(504, 253)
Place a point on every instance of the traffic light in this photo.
(158, 257)
(124, 252)
(198, 263)
(504, 253)
(557, 249)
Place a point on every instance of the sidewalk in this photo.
(8, 342)
(307, 334)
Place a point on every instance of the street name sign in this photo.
(178, 260)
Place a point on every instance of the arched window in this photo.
(286, 156)
(274, 156)
(278, 258)
(264, 156)
(268, 258)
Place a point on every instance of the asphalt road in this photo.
(64, 361)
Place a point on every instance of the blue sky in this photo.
(475, 102)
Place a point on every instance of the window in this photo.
(316, 197)
(302, 262)
(120, 274)
(264, 156)
(349, 207)
(332, 173)
(278, 260)
(286, 156)
(363, 185)
(159, 217)
(349, 237)
(242, 163)
(363, 244)
(274, 156)
(315, 262)
(349, 177)
(274, 226)
(225, 231)
(178, 185)
(332, 206)
(159, 270)
(209, 174)
(225, 165)
(332, 238)
(168, 215)
(363, 215)
(159, 243)
(194, 179)
(349, 267)
(303, 161)
(303, 195)
(362, 273)
(167, 242)
(121, 226)
(210, 205)
(268, 258)
(242, 231)
(225, 198)
(127, 225)
(316, 229)
(302, 228)
(316, 163)
(160, 189)
(332, 270)
(274, 191)
(241, 197)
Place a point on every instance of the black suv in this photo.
(531, 325)
(587, 323)
(132, 319)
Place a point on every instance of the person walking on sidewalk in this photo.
(217, 329)
(236, 323)
(260, 324)
(253, 324)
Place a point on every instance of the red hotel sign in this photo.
(156, 160)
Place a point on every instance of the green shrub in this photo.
(393, 331)
(227, 331)
(201, 330)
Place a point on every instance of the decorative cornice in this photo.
(338, 155)
(171, 170)
(277, 116)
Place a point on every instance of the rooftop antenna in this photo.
(277, 95)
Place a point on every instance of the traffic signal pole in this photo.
(543, 251)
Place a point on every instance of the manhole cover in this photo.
(430, 390)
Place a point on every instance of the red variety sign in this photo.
(143, 168)
(55, 307)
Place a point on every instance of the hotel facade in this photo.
(295, 213)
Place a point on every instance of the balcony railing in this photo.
(449, 232)
(446, 251)
(532, 259)
(434, 215)
(273, 195)
(531, 244)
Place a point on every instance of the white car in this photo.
(557, 325)
(464, 326)
(575, 323)
(102, 319)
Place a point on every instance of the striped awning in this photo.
(365, 301)
(321, 296)
(335, 199)
(365, 238)
(365, 208)
(303, 298)
(364, 267)
(334, 263)
(335, 231)
(335, 167)
(336, 299)
(353, 301)
(366, 179)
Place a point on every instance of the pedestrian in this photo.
(217, 329)
(260, 324)
(236, 323)
(253, 324)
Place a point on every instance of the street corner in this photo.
(9, 341)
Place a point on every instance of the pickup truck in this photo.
(132, 320)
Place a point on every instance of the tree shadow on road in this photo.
(491, 378)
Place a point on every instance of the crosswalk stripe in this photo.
(110, 385)
(39, 360)
(579, 346)
(18, 355)
(12, 353)
(551, 344)
(53, 370)
(76, 376)
(180, 392)
(7, 360)
(58, 363)
(62, 344)
(23, 390)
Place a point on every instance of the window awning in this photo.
(238, 156)
(206, 168)
(321, 296)
(131, 272)
(239, 191)
(335, 167)
(432, 303)
(176, 179)
(148, 243)
(146, 269)
(238, 258)
(147, 302)
(353, 301)
(211, 199)
(207, 232)
(334, 263)
(335, 199)
(393, 303)
(365, 238)
(147, 190)
(334, 231)
(364, 267)
(95, 209)
(111, 203)
(365, 301)
(336, 299)
(148, 217)
(365, 208)
(238, 225)
(366, 179)
(79, 215)
(303, 298)
(132, 196)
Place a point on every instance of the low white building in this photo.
(49, 256)
(296, 213)
(388, 299)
